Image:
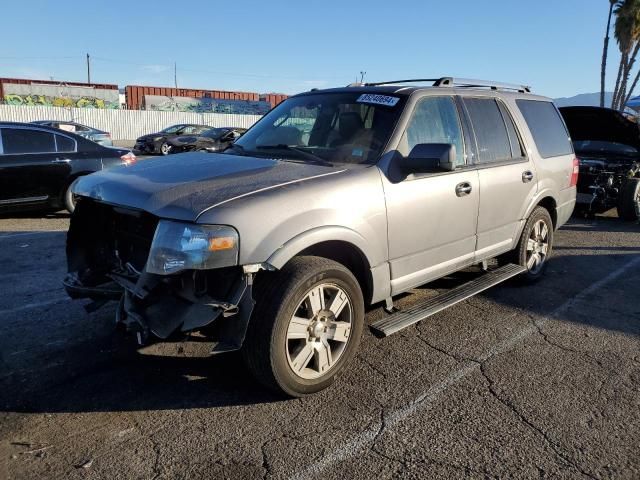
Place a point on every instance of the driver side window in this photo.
(434, 120)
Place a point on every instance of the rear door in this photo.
(432, 217)
(32, 170)
(508, 179)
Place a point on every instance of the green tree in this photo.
(605, 51)
(627, 33)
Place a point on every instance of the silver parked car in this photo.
(90, 133)
(336, 199)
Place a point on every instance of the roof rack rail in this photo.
(459, 82)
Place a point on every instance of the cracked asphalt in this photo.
(519, 382)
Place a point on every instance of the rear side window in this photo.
(489, 126)
(547, 128)
(434, 120)
(65, 144)
(20, 140)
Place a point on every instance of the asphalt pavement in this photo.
(522, 381)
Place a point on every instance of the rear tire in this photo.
(306, 326)
(629, 200)
(534, 246)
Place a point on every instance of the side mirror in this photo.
(430, 157)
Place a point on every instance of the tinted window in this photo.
(516, 146)
(65, 144)
(547, 128)
(18, 140)
(434, 120)
(491, 133)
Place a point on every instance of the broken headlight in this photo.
(180, 246)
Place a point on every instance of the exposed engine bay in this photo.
(608, 148)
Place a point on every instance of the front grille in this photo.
(114, 236)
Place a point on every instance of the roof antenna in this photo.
(362, 74)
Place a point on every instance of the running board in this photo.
(405, 318)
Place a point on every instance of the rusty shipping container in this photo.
(273, 98)
(135, 94)
(27, 81)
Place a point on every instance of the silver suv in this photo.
(334, 200)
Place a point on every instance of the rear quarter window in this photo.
(547, 128)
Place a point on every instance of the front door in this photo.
(432, 217)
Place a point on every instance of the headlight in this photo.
(180, 246)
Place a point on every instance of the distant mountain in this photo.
(585, 99)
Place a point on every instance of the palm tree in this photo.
(605, 50)
(627, 33)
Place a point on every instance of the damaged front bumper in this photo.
(107, 250)
(151, 307)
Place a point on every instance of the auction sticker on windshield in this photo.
(378, 99)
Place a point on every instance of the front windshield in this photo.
(215, 133)
(172, 129)
(325, 127)
(596, 146)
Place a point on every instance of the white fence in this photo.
(122, 124)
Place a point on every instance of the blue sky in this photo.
(291, 46)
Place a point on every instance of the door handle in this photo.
(463, 189)
(527, 176)
(61, 160)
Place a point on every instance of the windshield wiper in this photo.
(300, 151)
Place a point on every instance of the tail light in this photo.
(128, 158)
(574, 173)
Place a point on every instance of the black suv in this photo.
(38, 165)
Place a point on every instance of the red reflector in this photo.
(574, 173)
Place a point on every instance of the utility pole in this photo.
(175, 74)
(88, 70)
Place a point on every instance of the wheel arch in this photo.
(335, 243)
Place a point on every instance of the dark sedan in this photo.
(39, 164)
(98, 136)
(213, 140)
(159, 142)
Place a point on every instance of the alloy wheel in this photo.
(537, 246)
(319, 330)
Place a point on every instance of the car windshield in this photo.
(172, 129)
(325, 127)
(215, 133)
(596, 146)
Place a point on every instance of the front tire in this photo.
(306, 326)
(165, 148)
(629, 200)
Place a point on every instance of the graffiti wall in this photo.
(205, 105)
(60, 96)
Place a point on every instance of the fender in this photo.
(546, 192)
(318, 235)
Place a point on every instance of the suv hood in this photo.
(600, 124)
(182, 186)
